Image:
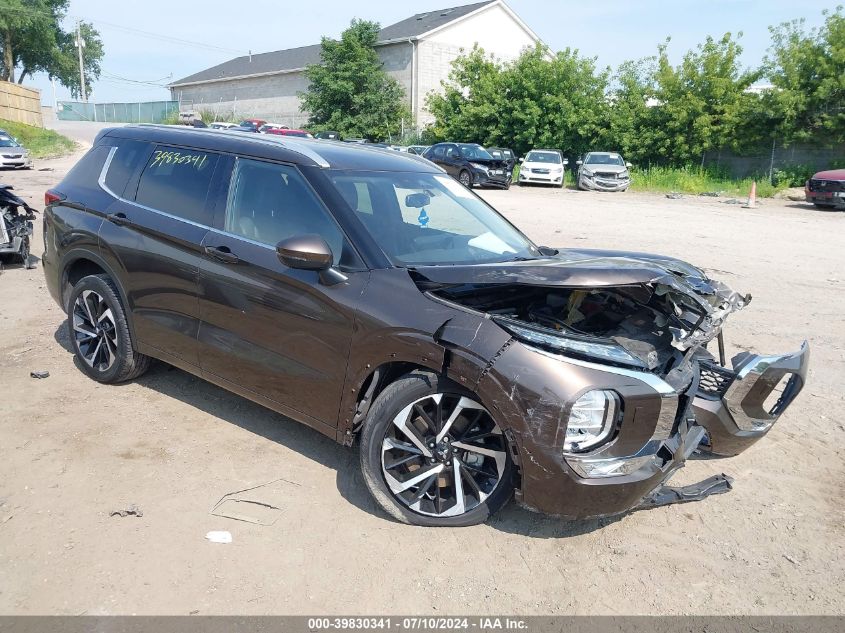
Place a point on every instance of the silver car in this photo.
(12, 153)
(603, 171)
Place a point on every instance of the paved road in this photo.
(82, 131)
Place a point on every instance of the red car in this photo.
(827, 189)
(300, 133)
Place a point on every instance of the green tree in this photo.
(807, 69)
(540, 99)
(349, 90)
(32, 40)
(698, 103)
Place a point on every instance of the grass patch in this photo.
(40, 142)
(695, 180)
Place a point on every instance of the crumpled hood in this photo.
(594, 269)
(574, 268)
(605, 169)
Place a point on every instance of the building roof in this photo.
(293, 59)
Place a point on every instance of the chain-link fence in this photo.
(142, 112)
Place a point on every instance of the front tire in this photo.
(99, 332)
(465, 178)
(431, 455)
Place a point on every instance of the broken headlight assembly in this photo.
(591, 420)
(569, 344)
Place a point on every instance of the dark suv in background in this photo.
(370, 296)
(470, 164)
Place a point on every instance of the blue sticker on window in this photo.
(423, 218)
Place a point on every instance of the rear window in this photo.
(123, 164)
(176, 181)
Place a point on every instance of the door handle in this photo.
(222, 253)
(118, 218)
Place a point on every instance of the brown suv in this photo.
(369, 295)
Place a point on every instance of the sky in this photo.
(137, 63)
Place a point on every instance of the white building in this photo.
(417, 52)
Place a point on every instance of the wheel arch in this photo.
(80, 263)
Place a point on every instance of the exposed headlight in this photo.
(613, 467)
(564, 344)
(591, 420)
(623, 174)
(586, 172)
(556, 170)
(479, 166)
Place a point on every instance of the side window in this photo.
(270, 202)
(87, 170)
(452, 152)
(439, 152)
(176, 181)
(123, 164)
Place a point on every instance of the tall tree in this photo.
(540, 99)
(807, 69)
(33, 40)
(349, 90)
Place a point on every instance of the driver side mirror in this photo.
(579, 162)
(628, 165)
(521, 160)
(309, 252)
(565, 161)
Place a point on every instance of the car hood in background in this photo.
(605, 169)
(830, 174)
(12, 151)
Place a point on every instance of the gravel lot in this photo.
(74, 450)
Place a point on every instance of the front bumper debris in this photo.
(666, 495)
(737, 407)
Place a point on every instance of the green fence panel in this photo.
(140, 112)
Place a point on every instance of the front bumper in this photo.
(739, 407)
(597, 183)
(832, 198)
(15, 161)
(484, 178)
(532, 392)
(545, 179)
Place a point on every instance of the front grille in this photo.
(714, 380)
(825, 185)
(541, 171)
(12, 156)
(606, 174)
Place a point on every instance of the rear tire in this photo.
(99, 332)
(422, 489)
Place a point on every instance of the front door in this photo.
(268, 329)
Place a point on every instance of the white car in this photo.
(221, 125)
(542, 166)
(272, 126)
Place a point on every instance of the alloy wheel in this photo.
(94, 330)
(443, 455)
(465, 179)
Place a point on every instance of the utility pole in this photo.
(80, 44)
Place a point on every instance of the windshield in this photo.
(604, 159)
(474, 152)
(543, 157)
(430, 219)
(5, 141)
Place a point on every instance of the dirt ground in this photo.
(72, 451)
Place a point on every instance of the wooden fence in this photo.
(20, 104)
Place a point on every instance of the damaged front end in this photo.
(16, 226)
(608, 377)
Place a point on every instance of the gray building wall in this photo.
(275, 97)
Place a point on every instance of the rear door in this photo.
(454, 161)
(153, 235)
(267, 329)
